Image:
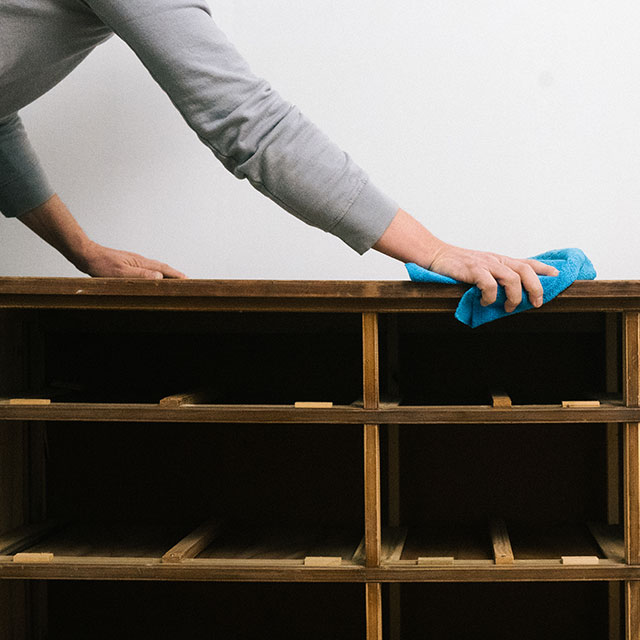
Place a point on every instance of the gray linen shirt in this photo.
(249, 127)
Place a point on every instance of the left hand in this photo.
(102, 261)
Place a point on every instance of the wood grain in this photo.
(373, 596)
(632, 610)
(371, 399)
(283, 295)
(193, 543)
(339, 414)
(502, 551)
(631, 465)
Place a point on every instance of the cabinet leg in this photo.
(374, 610)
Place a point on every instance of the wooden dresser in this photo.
(322, 460)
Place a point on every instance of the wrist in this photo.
(83, 254)
(407, 240)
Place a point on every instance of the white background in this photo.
(506, 125)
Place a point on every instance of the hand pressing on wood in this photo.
(407, 240)
(53, 222)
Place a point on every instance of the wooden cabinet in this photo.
(229, 459)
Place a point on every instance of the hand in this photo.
(53, 222)
(407, 240)
(487, 270)
(114, 263)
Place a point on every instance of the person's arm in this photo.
(25, 194)
(259, 136)
(53, 222)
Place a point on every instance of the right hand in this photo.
(486, 270)
(407, 240)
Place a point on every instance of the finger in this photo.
(512, 284)
(541, 268)
(170, 272)
(164, 269)
(488, 286)
(139, 272)
(530, 282)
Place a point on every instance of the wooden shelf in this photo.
(345, 414)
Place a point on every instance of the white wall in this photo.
(507, 125)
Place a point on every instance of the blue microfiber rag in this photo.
(572, 264)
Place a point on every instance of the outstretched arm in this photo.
(53, 222)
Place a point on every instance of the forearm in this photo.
(409, 241)
(55, 224)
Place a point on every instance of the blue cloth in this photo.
(572, 264)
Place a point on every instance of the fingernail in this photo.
(537, 302)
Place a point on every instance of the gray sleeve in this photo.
(23, 183)
(247, 125)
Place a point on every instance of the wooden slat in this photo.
(195, 396)
(500, 399)
(612, 546)
(373, 596)
(193, 543)
(502, 551)
(632, 610)
(29, 558)
(434, 561)
(302, 404)
(578, 404)
(358, 554)
(393, 540)
(579, 559)
(26, 536)
(322, 561)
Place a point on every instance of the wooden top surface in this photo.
(285, 295)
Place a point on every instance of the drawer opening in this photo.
(179, 495)
(432, 359)
(212, 358)
(500, 494)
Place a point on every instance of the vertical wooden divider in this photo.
(372, 524)
(632, 609)
(393, 467)
(35, 474)
(612, 367)
(631, 391)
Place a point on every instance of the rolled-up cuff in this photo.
(366, 219)
(24, 193)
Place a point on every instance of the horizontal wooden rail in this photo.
(339, 414)
(284, 295)
(111, 568)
